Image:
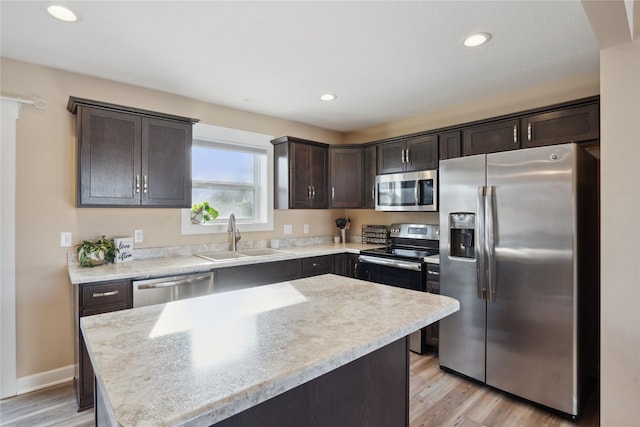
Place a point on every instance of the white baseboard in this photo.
(45, 379)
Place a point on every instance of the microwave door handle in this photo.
(416, 192)
(480, 237)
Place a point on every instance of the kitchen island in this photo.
(325, 348)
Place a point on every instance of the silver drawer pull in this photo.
(105, 294)
(435, 273)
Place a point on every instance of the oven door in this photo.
(394, 272)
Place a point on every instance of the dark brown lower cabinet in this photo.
(346, 265)
(432, 335)
(372, 391)
(317, 265)
(246, 276)
(94, 298)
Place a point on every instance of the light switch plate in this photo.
(288, 229)
(65, 239)
(138, 236)
(306, 229)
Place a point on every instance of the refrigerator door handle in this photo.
(480, 243)
(490, 244)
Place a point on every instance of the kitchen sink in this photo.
(221, 256)
(261, 252)
(227, 255)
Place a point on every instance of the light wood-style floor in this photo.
(437, 399)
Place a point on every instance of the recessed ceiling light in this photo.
(477, 39)
(328, 97)
(61, 12)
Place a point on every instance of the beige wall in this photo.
(620, 186)
(46, 186)
(45, 198)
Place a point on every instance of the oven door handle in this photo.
(404, 265)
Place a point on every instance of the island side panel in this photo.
(371, 391)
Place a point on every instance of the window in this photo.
(233, 171)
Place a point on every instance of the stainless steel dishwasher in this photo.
(166, 289)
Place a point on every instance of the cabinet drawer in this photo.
(106, 294)
(317, 265)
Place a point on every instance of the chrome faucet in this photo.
(235, 233)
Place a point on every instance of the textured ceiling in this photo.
(385, 60)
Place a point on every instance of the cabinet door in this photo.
(108, 158)
(490, 138)
(557, 127)
(246, 276)
(319, 177)
(299, 176)
(315, 266)
(391, 157)
(422, 153)
(166, 163)
(345, 165)
(369, 177)
(450, 145)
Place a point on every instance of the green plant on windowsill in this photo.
(92, 253)
(202, 213)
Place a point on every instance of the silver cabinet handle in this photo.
(529, 132)
(515, 134)
(145, 184)
(308, 192)
(105, 294)
(313, 192)
(333, 193)
(406, 156)
(435, 273)
(373, 192)
(137, 183)
(402, 156)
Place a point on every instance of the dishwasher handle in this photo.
(164, 283)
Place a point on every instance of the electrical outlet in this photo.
(288, 229)
(138, 236)
(65, 239)
(306, 229)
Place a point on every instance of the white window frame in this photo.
(235, 137)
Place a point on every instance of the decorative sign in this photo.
(124, 245)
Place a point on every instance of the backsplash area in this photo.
(186, 250)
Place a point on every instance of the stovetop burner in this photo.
(409, 242)
(401, 252)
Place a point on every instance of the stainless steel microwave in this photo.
(408, 191)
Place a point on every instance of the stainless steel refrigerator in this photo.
(519, 250)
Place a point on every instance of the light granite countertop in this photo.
(198, 361)
(165, 266)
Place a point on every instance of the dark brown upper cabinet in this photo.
(301, 173)
(490, 138)
(408, 154)
(345, 177)
(369, 176)
(577, 124)
(450, 145)
(129, 157)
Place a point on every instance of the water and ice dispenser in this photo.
(462, 226)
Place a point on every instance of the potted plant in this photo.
(202, 213)
(92, 253)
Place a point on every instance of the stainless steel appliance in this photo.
(166, 289)
(403, 264)
(518, 249)
(409, 191)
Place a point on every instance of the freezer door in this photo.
(462, 334)
(531, 324)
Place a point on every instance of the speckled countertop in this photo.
(198, 361)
